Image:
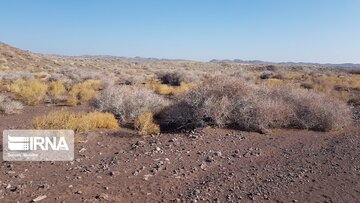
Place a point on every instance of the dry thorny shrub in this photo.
(128, 102)
(9, 106)
(79, 122)
(225, 101)
(175, 78)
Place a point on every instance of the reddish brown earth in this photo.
(209, 165)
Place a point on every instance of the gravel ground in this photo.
(208, 165)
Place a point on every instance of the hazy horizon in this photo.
(276, 31)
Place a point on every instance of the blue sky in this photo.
(272, 30)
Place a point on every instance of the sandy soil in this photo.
(208, 165)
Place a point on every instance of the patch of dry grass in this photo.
(145, 124)
(31, 92)
(83, 92)
(79, 122)
(57, 91)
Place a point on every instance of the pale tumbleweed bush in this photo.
(314, 110)
(9, 106)
(128, 102)
(226, 101)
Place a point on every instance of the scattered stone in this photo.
(21, 176)
(173, 140)
(39, 198)
(103, 196)
(147, 176)
(218, 153)
(82, 150)
(114, 173)
(139, 143)
(78, 192)
(137, 171)
(44, 186)
(10, 172)
(209, 159)
(252, 152)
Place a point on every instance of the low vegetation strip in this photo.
(79, 122)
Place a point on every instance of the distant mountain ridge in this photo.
(14, 58)
(341, 65)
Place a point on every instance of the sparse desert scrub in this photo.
(273, 82)
(354, 71)
(79, 74)
(164, 89)
(171, 78)
(9, 106)
(226, 101)
(31, 92)
(77, 121)
(42, 75)
(16, 75)
(128, 102)
(266, 75)
(175, 78)
(145, 125)
(341, 86)
(172, 83)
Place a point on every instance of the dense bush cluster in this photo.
(220, 101)
(225, 101)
